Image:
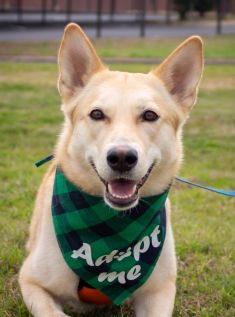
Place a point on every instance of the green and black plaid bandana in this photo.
(113, 251)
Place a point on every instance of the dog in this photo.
(121, 142)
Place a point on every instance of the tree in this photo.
(182, 7)
(203, 6)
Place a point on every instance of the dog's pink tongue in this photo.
(122, 187)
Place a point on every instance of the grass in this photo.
(216, 47)
(30, 121)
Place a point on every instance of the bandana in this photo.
(113, 251)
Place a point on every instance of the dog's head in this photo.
(122, 134)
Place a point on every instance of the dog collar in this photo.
(112, 251)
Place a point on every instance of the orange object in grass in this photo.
(93, 296)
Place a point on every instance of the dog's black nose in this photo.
(122, 158)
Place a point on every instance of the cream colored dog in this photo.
(121, 140)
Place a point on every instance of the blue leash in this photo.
(214, 190)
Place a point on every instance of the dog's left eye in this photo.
(97, 114)
(149, 115)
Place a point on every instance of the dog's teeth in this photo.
(119, 196)
(110, 189)
(134, 189)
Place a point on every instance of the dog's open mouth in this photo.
(123, 193)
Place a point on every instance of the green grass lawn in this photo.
(215, 47)
(204, 223)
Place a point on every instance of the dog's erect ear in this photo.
(77, 60)
(182, 70)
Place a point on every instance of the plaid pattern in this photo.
(81, 218)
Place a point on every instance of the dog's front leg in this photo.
(157, 304)
(45, 280)
(39, 301)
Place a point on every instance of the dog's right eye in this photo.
(97, 114)
(149, 115)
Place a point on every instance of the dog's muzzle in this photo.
(122, 192)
